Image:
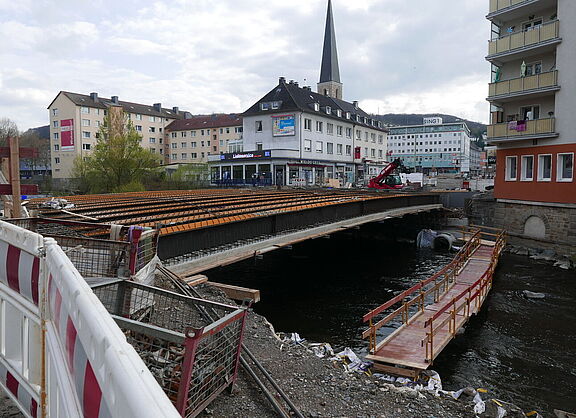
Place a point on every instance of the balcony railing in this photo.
(517, 40)
(497, 5)
(519, 85)
(528, 129)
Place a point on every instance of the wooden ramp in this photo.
(431, 312)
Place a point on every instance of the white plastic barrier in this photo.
(89, 368)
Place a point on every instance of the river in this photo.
(520, 350)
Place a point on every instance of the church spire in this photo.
(330, 84)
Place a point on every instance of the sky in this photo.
(206, 56)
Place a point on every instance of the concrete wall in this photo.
(519, 220)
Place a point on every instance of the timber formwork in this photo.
(194, 220)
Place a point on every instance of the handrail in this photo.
(370, 315)
(506, 35)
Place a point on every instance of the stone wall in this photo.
(532, 226)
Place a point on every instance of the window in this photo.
(365, 151)
(319, 126)
(85, 122)
(153, 129)
(527, 168)
(184, 156)
(264, 106)
(174, 134)
(330, 128)
(511, 168)
(55, 124)
(545, 167)
(153, 150)
(138, 117)
(275, 105)
(183, 144)
(97, 123)
(347, 115)
(193, 144)
(348, 132)
(151, 118)
(85, 110)
(530, 112)
(54, 112)
(192, 133)
(316, 107)
(227, 130)
(372, 153)
(153, 140)
(565, 169)
(174, 145)
(259, 146)
(138, 128)
(379, 153)
(258, 126)
(56, 147)
(380, 139)
(339, 149)
(358, 134)
(339, 113)
(201, 143)
(86, 147)
(339, 130)
(307, 145)
(202, 132)
(174, 156)
(329, 148)
(319, 146)
(85, 134)
(366, 136)
(57, 160)
(194, 155)
(55, 135)
(328, 110)
(348, 149)
(373, 137)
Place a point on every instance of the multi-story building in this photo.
(475, 159)
(532, 98)
(75, 121)
(193, 139)
(296, 136)
(433, 147)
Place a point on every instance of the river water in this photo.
(520, 350)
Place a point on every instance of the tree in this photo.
(8, 128)
(118, 162)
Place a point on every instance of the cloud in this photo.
(208, 56)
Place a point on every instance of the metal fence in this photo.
(193, 360)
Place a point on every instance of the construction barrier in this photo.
(61, 354)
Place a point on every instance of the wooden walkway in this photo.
(432, 312)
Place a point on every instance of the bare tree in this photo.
(8, 128)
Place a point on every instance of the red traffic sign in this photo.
(6, 189)
(24, 152)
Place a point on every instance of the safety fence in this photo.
(414, 300)
(124, 253)
(61, 353)
(191, 358)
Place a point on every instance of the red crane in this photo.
(386, 179)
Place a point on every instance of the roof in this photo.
(329, 70)
(291, 97)
(205, 121)
(104, 103)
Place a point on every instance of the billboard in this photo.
(67, 135)
(433, 121)
(251, 155)
(284, 125)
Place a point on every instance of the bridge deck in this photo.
(421, 337)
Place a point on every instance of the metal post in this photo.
(237, 360)
(15, 177)
(193, 337)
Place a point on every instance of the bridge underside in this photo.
(198, 220)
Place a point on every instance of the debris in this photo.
(56, 203)
(533, 295)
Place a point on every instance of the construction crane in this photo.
(387, 179)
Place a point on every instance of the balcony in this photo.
(507, 10)
(532, 85)
(533, 129)
(508, 47)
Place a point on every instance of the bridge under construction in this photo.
(202, 220)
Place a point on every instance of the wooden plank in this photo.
(237, 292)
(397, 371)
(196, 280)
(375, 358)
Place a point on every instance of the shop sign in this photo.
(251, 155)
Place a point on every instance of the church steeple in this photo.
(330, 84)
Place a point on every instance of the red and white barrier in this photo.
(89, 368)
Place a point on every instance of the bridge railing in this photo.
(460, 307)
(432, 288)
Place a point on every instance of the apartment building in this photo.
(193, 139)
(532, 97)
(432, 147)
(75, 121)
(296, 136)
